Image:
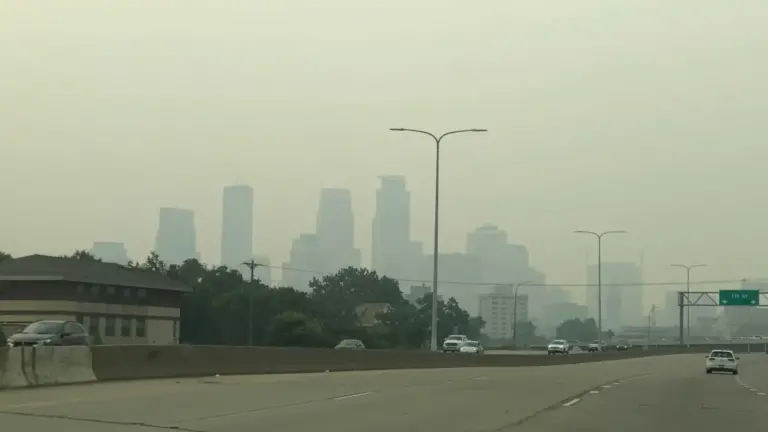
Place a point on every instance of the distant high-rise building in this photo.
(305, 262)
(237, 227)
(497, 309)
(501, 262)
(113, 252)
(622, 294)
(391, 246)
(176, 238)
(336, 229)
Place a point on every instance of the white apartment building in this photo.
(497, 309)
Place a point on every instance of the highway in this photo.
(668, 393)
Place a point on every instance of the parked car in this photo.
(50, 332)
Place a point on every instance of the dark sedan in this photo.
(42, 333)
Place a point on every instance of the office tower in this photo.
(237, 227)
(306, 261)
(622, 294)
(176, 239)
(391, 249)
(335, 230)
(113, 252)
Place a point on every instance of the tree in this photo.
(4, 256)
(526, 333)
(577, 330)
(82, 254)
(336, 296)
(295, 329)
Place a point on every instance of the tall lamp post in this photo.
(599, 275)
(688, 291)
(514, 313)
(438, 140)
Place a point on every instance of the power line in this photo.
(471, 283)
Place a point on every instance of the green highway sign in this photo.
(739, 298)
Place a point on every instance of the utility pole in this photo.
(252, 266)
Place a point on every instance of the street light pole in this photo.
(599, 275)
(252, 266)
(688, 291)
(438, 140)
(514, 314)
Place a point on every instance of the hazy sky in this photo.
(644, 115)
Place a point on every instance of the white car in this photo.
(596, 346)
(453, 343)
(472, 347)
(558, 346)
(722, 361)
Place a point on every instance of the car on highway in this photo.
(453, 343)
(353, 344)
(722, 361)
(622, 346)
(596, 346)
(472, 347)
(50, 332)
(558, 346)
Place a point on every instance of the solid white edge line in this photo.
(571, 402)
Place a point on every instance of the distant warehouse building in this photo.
(122, 305)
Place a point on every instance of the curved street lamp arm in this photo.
(435, 137)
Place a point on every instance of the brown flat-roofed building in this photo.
(122, 305)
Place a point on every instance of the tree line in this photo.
(221, 305)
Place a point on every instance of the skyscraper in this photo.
(335, 229)
(237, 227)
(176, 239)
(622, 294)
(391, 245)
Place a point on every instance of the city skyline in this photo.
(486, 239)
(598, 124)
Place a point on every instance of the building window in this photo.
(127, 292)
(80, 289)
(141, 327)
(93, 324)
(142, 293)
(175, 331)
(109, 327)
(80, 319)
(125, 327)
(95, 290)
(111, 290)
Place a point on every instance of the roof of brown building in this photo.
(43, 267)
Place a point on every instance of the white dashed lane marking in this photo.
(352, 396)
(594, 391)
(571, 402)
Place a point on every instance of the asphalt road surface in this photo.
(670, 393)
(576, 350)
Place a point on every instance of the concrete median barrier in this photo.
(139, 362)
(42, 366)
